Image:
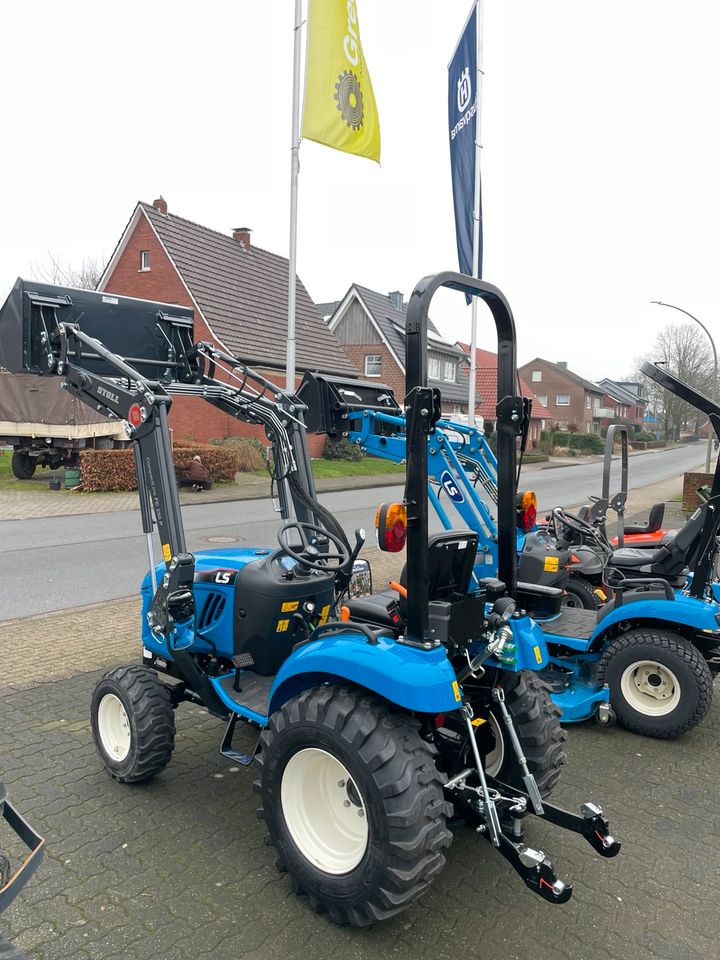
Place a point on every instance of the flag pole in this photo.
(476, 210)
(294, 171)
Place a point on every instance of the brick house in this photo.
(626, 395)
(486, 394)
(569, 398)
(239, 294)
(370, 326)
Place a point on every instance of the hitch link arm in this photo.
(498, 695)
(590, 824)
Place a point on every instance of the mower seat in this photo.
(670, 559)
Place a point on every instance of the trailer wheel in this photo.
(537, 722)
(353, 803)
(133, 723)
(580, 593)
(9, 952)
(23, 466)
(660, 684)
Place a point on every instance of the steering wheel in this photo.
(572, 522)
(306, 553)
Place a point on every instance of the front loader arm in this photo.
(143, 404)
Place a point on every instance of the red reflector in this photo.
(439, 720)
(574, 559)
(134, 415)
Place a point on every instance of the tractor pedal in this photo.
(226, 748)
(243, 660)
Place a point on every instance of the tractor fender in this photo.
(683, 611)
(411, 677)
(591, 565)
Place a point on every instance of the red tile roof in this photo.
(486, 386)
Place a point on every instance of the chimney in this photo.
(396, 299)
(562, 364)
(160, 205)
(242, 235)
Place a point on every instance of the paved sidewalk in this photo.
(28, 504)
(178, 868)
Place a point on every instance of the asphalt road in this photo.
(57, 563)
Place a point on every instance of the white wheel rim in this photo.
(113, 727)
(495, 758)
(650, 688)
(324, 811)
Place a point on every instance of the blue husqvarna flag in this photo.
(463, 105)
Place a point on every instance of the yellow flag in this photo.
(339, 108)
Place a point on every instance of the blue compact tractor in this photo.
(372, 739)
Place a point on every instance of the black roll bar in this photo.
(423, 410)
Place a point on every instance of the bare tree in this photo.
(86, 276)
(685, 353)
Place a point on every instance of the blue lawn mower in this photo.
(370, 740)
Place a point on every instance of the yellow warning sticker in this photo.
(282, 626)
(324, 614)
(538, 655)
(167, 552)
(290, 605)
(456, 691)
(552, 564)
(479, 721)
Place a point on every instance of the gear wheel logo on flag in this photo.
(349, 99)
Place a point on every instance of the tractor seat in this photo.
(634, 557)
(671, 558)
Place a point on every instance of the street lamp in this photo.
(714, 389)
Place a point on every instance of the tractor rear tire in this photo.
(660, 684)
(133, 723)
(538, 728)
(580, 593)
(23, 466)
(9, 952)
(353, 802)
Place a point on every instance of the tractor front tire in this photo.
(660, 684)
(537, 723)
(580, 593)
(353, 803)
(133, 723)
(23, 466)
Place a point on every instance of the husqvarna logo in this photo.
(450, 487)
(464, 90)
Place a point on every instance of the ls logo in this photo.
(450, 487)
(464, 90)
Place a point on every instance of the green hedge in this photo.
(579, 442)
(342, 450)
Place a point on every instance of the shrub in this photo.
(587, 442)
(250, 449)
(107, 470)
(342, 450)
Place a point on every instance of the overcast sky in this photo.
(600, 160)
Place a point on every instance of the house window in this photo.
(451, 371)
(537, 376)
(433, 367)
(457, 408)
(562, 400)
(144, 260)
(372, 364)
(588, 402)
(542, 399)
